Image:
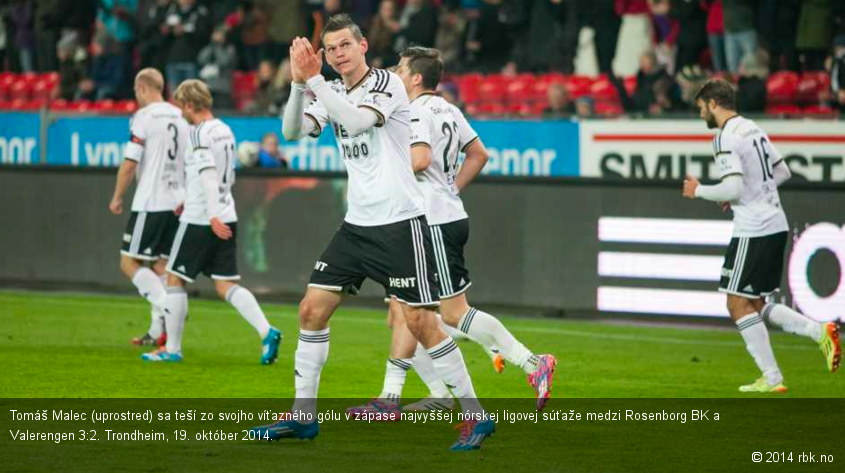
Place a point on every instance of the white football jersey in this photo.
(212, 145)
(382, 186)
(158, 137)
(744, 148)
(441, 126)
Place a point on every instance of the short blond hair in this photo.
(151, 78)
(195, 93)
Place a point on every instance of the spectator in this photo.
(118, 19)
(3, 43)
(188, 28)
(543, 45)
(269, 156)
(154, 41)
(281, 88)
(837, 73)
(24, 39)
(648, 75)
(253, 33)
(285, 23)
(634, 35)
(666, 30)
(76, 18)
(449, 92)
(266, 93)
(450, 37)
(716, 33)
(777, 30)
(217, 61)
(740, 35)
(47, 24)
(585, 107)
(73, 66)
(692, 35)
(107, 68)
(489, 42)
(751, 87)
(382, 35)
(600, 17)
(814, 33)
(418, 22)
(558, 102)
(689, 80)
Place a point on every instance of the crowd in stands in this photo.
(503, 57)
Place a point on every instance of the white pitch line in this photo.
(516, 326)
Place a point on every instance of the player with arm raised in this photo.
(206, 239)
(440, 132)
(751, 170)
(384, 236)
(154, 156)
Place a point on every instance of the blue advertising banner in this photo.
(19, 140)
(517, 148)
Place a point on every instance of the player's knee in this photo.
(739, 306)
(310, 313)
(128, 266)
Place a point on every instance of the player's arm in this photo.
(420, 139)
(476, 153)
(124, 179)
(420, 156)
(134, 153)
(208, 177)
(295, 123)
(730, 171)
(781, 172)
(476, 157)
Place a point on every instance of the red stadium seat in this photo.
(783, 109)
(630, 84)
(492, 90)
(539, 90)
(608, 109)
(79, 106)
(50, 77)
(20, 89)
(468, 85)
(579, 86)
(103, 106)
(557, 77)
(43, 89)
(782, 87)
(811, 85)
(59, 105)
(491, 108)
(603, 90)
(520, 90)
(819, 111)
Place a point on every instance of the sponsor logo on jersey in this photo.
(403, 282)
(320, 266)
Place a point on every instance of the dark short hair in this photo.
(426, 62)
(718, 90)
(339, 22)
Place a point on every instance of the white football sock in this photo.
(425, 369)
(156, 322)
(489, 332)
(175, 311)
(311, 354)
(395, 373)
(792, 321)
(449, 363)
(149, 286)
(245, 303)
(756, 337)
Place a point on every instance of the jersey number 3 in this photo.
(172, 153)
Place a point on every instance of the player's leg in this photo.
(175, 313)
(449, 364)
(245, 303)
(402, 347)
(156, 330)
(745, 313)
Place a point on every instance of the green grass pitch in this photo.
(77, 346)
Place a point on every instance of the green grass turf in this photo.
(77, 346)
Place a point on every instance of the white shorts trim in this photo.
(327, 288)
(137, 233)
(457, 293)
(177, 242)
(417, 304)
(745, 295)
(180, 275)
(226, 278)
(140, 257)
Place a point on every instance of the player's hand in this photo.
(220, 229)
(179, 209)
(690, 185)
(295, 73)
(725, 206)
(309, 62)
(116, 206)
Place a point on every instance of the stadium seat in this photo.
(811, 85)
(59, 105)
(782, 87)
(579, 86)
(603, 90)
(468, 85)
(43, 89)
(79, 106)
(6, 81)
(492, 91)
(609, 109)
(820, 111)
(126, 107)
(491, 108)
(783, 109)
(520, 90)
(20, 89)
(103, 106)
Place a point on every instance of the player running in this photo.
(384, 235)
(154, 156)
(751, 170)
(205, 240)
(439, 134)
